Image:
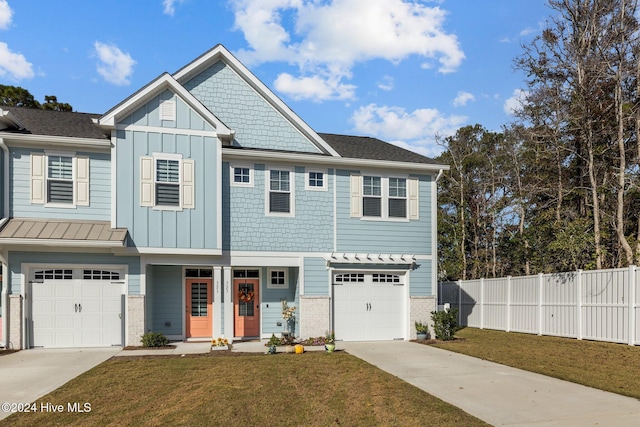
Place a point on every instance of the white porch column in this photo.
(228, 302)
(217, 302)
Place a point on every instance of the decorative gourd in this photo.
(299, 349)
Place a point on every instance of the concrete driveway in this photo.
(29, 374)
(495, 393)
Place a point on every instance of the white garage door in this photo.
(368, 306)
(76, 308)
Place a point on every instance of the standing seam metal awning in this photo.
(32, 231)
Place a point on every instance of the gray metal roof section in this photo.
(51, 229)
(363, 147)
(56, 123)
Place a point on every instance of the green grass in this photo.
(606, 366)
(285, 390)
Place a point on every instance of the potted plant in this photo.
(220, 344)
(422, 330)
(272, 343)
(330, 342)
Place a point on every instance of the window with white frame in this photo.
(241, 176)
(280, 192)
(277, 279)
(316, 180)
(59, 179)
(384, 197)
(372, 196)
(397, 205)
(167, 182)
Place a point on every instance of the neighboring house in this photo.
(195, 207)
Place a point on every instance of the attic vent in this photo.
(168, 110)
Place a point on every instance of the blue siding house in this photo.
(198, 206)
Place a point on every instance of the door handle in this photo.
(80, 307)
(76, 307)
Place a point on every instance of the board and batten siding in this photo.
(246, 226)
(148, 227)
(316, 277)
(16, 259)
(379, 236)
(99, 208)
(164, 299)
(149, 115)
(256, 122)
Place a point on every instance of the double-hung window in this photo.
(384, 197)
(167, 181)
(280, 192)
(397, 198)
(59, 179)
(372, 196)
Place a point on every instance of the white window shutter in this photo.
(414, 205)
(82, 181)
(38, 178)
(188, 184)
(146, 181)
(356, 196)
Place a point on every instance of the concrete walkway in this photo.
(495, 393)
(29, 374)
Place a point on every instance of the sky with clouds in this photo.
(403, 71)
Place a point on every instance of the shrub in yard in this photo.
(445, 323)
(154, 339)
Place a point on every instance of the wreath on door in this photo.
(245, 295)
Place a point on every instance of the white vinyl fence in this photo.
(602, 305)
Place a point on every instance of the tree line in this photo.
(557, 189)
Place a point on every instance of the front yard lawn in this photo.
(607, 366)
(285, 389)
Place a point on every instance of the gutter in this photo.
(4, 269)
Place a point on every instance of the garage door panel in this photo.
(370, 309)
(76, 313)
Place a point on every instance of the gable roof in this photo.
(363, 147)
(220, 53)
(34, 121)
(155, 87)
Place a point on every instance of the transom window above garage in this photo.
(100, 275)
(369, 278)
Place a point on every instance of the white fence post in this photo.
(632, 304)
(579, 304)
(540, 296)
(508, 303)
(481, 303)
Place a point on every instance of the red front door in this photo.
(247, 307)
(199, 315)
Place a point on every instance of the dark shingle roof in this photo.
(363, 147)
(56, 123)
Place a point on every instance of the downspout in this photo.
(4, 297)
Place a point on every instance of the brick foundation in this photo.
(315, 316)
(420, 308)
(135, 319)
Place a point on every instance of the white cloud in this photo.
(417, 129)
(515, 102)
(5, 15)
(14, 65)
(169, 6)
(386, 83)
(314, 88)
(328, 38)
(115, 66)
(463, 98)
